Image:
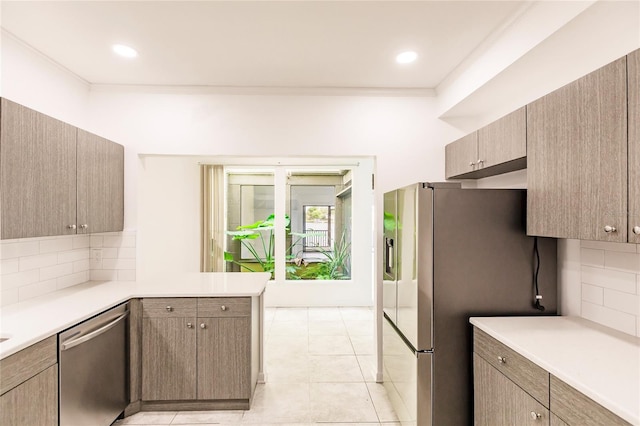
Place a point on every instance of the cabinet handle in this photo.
(636, 230)
(169, 309)
(203, 325)
(502, 359)
(189, 325)
(224, 308)
(480, 162)
(85, 226)
(534, 415)
(471, 164)
(72, 226)
(609, 229)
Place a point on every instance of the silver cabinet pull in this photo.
(471, 164)
(84, 226)
(224, 308)
(189, 325)
(480, 162)
(636, 230)
(502, 360)
(609, 229)
(169, 309)
(534, 415)
(72, 226)
(203, 325)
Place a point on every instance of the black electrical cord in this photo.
(538, 298)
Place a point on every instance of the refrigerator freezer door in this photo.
(407, 379)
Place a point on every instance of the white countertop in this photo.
(602, 363)
(29, 322)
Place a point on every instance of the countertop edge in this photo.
(581, 387)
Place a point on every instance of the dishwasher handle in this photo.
(75, 342)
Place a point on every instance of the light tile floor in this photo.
(320, 369)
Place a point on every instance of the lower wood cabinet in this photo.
(197, 349)
(29, 383)
(507, 391)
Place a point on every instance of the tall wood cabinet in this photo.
(56, 179)
(577, 158)
(499, 147)
(633, 91)
(196, 350)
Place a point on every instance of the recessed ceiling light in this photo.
(125, 51)
(406, 57)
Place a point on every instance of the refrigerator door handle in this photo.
(388, 254)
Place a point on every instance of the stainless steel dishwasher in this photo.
(93, 369)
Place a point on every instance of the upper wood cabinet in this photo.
(633, 82)
(499, 147)
(56, 179)
(38, 170)
(577, 158)
(100, 184)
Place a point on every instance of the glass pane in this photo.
(320, 240)
(250, 235)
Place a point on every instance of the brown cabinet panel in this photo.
(576, 158)
(169, 307)
(557, 421)
(500, 402)
(34, 402)
(19, 367)
(461, 156)
(168, 359)
(633, 91)
(577, 409)
(224, 358)
(38, 173)
(503, 140)
(100, 184)
(524, 373)
(224, 307)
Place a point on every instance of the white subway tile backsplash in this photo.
(81, 265)
(9, 266)
(82, 241)
(610, 317)
(36, 266)
(602, 245)
(73, 279)
(56, 271)
(73, 255)
(610, 275)
(19, 249)
(622, 261)
(622, 302)
(56, 245)
(38, 261)
(20, 279)
(38, 289)
(592, 294)
(616, 280)
(104, 275)
(592, 257)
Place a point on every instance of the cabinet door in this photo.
(224, 358)
(38, 174)
(503, 140)
(168, 359)
(461, 156)
(557, 421)
(34, 402)
(576, 157)
(633, 77)
(100, 184)
(500, 402)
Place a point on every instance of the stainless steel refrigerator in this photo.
(449, 254)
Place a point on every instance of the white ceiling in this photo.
(308, 44)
